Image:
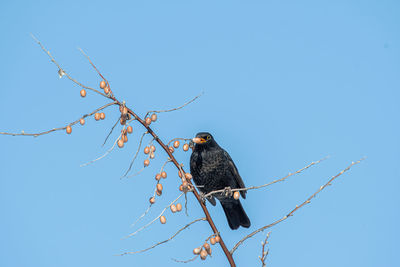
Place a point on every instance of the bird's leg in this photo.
(228, 191)
(202, 197)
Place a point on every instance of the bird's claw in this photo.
(228, 191)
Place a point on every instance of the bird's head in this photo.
(204, 139)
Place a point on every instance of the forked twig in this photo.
(308, 200)
(165, 241)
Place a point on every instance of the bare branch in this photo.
(186, 261)
(150, 223)
(264, 253)
(264, 185)
(136, 154)
(308, 200)
(173, 109)
(165, 241)
(112, 129)
(60, 128)
(62, 72)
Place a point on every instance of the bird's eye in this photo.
(208, 137)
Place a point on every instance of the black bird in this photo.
(213, 169)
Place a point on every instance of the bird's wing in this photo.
(235, 174)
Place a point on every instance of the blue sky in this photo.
(285, 84)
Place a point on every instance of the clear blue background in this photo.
(285, 82)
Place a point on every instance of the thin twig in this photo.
(147, 225)
(307, 201)
(60, 128)
(264, 253)
(173, 109)
(136, 154)
(186, 261)
(165, 241)
(112, 129)
(105, 154)
(146, 211)
(264, 185)
(175, 139)
(62, 71)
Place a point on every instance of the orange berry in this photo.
(152, 148)
(207, 248)
(152, 200)
(102, 116)
(152, 155)
(180, 174)
(148, 121)
(125, 138)
(83, 93)
(124, 110)
(97, 116)
(188, 176)
(122, 121)
(217, 239)
(82, 121)
(159, 187)
(107, 90)
(163, 174)
(173, 208)
(212, 241)
(159, 193)
(146, 150)
(158, 177)
(236, 195)
(185, 147)
(103, 84)
(120, 143)
(179, 207)
(203, 254)
(129, 129)
(154, 117)
(176, 144)
(181, 188)
(171, 149)
(196, 251)
(68, 129)
(146, 162)
(163, 220)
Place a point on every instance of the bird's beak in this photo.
(198, 140)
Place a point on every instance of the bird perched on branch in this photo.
(213, 169)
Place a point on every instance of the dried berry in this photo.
(185, 147)
(148, 121)
(103, 84)
(107, 90)
(152, 155)
(163, 220)
(158, 177)
(102, 116)
(163, 174)
(68, 129)
(83, 93)
(152, 148)
(171, 149)
(203, 254)
(146, 162)
(97, 116)
(152, 200)
(159, 193)
(159, 187)
(154, 117)
(122, 121)
(179, 207)
(212, 241)
(196, 251)
(176, 144)
(188, 176)
(217, 239)
(146, 150)
(236, 195)
(173, 208)
(120, 143)
(129, 129)
(207, 248)
(125, 138)
(82, 121)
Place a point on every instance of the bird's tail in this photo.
(235, 214)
